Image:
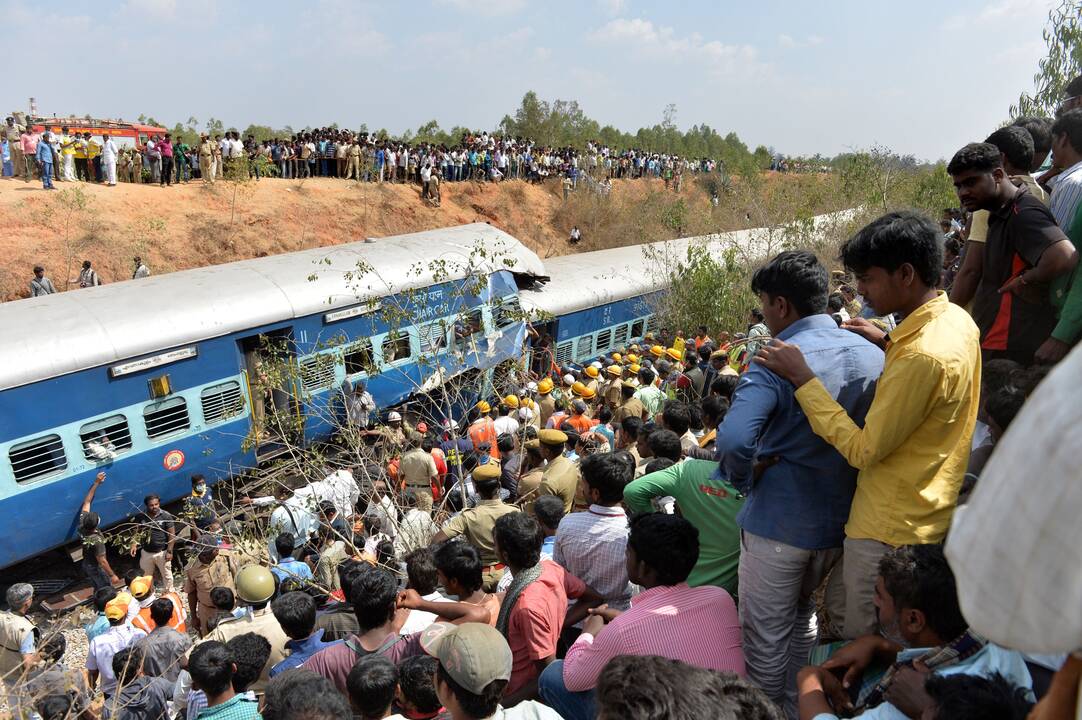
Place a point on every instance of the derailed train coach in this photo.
(155, 379)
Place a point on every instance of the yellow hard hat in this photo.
(674, 354)
(634, 368)
(588, 393)
(632, 358)
(617, 358)
(578, 388)
(484, 407)
(544, 387)
(591, 371)
(657, 350)
(614, 370)
(511, 401)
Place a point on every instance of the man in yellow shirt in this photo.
(912, 452)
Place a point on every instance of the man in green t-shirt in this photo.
(708, 503)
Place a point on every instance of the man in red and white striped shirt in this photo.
(697, 625)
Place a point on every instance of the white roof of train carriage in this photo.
(49, 336)
(585, 280)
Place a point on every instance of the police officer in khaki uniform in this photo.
(18, 638)
(478, 524)
(532, 472)
(353, 161)
(545, 401)
(611, 392)
(255, 587)
(210, 569)
(561, 476)
(206, 158)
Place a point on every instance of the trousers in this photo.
(777, 612)
(149, 562)
(850, 594)
(110, 171)
(569, 704)
(69, 167)
(165, 176)
(47, 175)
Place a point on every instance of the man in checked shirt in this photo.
(592, 545)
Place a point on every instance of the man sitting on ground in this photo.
(474, 669)
(920, 623)
(698, 626)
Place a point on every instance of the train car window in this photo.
(37, 458)
(652, 324)
(619, 336)
(638, 328)
(467, 325)
(585, 347)
(396, 346)
(507, 312)
(166, 417)
(563, 353)
(358, 357)
(433, 336)
(317, 371)
(106, 438)
(604, 340)
(221, 402)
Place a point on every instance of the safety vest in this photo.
(144, 622)
(484, 430)
(13, 630)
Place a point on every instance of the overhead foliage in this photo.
(1062, 63)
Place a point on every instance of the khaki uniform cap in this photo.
(552, 437)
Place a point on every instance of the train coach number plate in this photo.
(174, 460)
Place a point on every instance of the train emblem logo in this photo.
(174, 460)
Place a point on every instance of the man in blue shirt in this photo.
(288, 568)
(798, 487)
(296, 613)
(45, 160)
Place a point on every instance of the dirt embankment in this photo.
(194, 225)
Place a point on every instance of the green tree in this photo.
(215, 127)
(1063, 36)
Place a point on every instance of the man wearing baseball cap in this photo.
(474, 668)
(120, 635)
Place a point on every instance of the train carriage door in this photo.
(269, 361)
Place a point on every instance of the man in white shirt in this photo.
(109, 154)
(422, 578)
(99, 658)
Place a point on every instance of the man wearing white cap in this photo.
(474, 668)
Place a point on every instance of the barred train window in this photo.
(604, 340)
(317, 371)
(637, 328)
(104, 439)
(584, 347)
(37, 458)
(221, 402)
(166, 417)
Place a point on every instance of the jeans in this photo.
(94, 573)
(777, 611)
(47, 175)
(570, 705)
(283, 168)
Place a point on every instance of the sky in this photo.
(922, 77)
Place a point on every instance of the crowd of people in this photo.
(327, 152)
(748, 526)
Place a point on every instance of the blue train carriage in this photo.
(151, 380)
(597, 302)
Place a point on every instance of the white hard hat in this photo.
(392, 416)
(531, 386)
(597, 364)
(569, 379)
